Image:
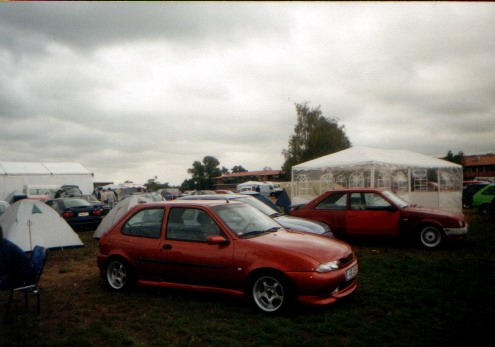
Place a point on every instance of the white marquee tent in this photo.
(417, 178)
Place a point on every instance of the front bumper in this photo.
(456, 233)
(323, 288)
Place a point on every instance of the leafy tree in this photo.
(153, 184)
(314, 136)
(203, 173)
(454, 158)
(238, 168)
(188, 184)
(224, 170)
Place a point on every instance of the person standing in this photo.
(15, 266)
(111, 198)
(103, 196)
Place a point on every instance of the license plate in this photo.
(83, 214)
(351, 273)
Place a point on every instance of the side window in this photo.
(145, 223)
(190, 224)
(336, 201)
(489, 191)
(357, 202)
(375, 202)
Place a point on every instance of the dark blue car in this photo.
(77, 212)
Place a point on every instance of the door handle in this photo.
(167, 246)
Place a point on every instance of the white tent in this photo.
(29, 223)
(117, 212)
(418, 178)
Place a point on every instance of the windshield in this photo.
(396, 199)
(245, 220)
(259, 205)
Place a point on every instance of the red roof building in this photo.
(482, 165)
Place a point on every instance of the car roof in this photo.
(192, 202)
(214, 197)
(356, 190)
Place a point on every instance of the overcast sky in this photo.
(137, 90)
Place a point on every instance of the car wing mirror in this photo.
(216, 240)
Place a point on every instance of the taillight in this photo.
(68, 214)
(97, 212)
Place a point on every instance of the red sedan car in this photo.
(372, 212)
(228, 247)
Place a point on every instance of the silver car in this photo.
(286, 221)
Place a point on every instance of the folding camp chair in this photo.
(38, 259)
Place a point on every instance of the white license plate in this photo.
(351, 273)
(83, 214)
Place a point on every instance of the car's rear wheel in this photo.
(466, 203)
(430, 236)
(119, 274)
(270, 292)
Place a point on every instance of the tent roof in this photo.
(45, 168)
(364, 155)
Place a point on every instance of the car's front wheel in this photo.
(119, 274)
(270, 292)
(484, 209)
(430, 236)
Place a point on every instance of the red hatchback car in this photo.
(372, 212)
(227, 247)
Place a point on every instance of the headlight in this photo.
(327, 267)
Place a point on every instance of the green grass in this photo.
(406, 297)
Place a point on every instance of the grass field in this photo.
(406, 297)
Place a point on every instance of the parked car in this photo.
(105, 208)
(483, 198)
(68, 190)
(376, 213)
(225, 247)
(77, 212)
(468, 192)
(287, 222)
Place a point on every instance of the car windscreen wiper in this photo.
(258, 232)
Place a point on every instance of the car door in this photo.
(190, 258)
(370, 214)
(141, 237)
(331, 211)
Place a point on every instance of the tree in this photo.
(238, 168)
(203, 173)
(454, 158)
(153, 184)
(314, 136)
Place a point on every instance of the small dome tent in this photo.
(417, 178)
(29, 223)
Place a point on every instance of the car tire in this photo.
(484, 209)
(270, 292)
(467, 204)
(119, 274)
(430, 236)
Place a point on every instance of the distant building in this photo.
(481, 166)
(230, 181)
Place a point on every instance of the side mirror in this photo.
(216, 240)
